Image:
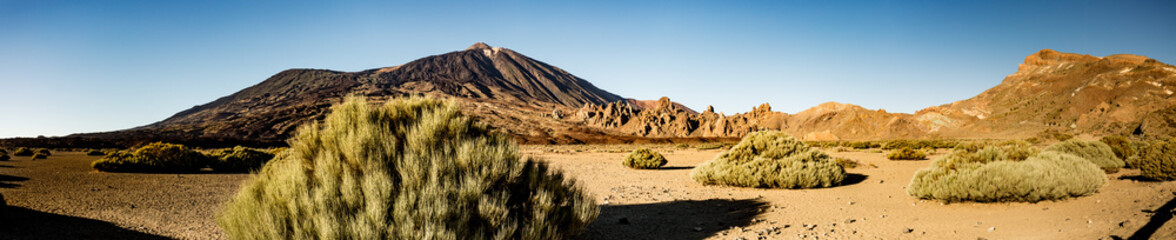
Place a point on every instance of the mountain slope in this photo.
(1070, 93)
(480, 76)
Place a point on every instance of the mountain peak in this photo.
(479, 45)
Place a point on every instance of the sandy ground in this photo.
(62, 198)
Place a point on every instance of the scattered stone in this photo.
(848, 221)
(697, 229)
(991, 229)
(851, 202)
(908, 230)
(623, 221)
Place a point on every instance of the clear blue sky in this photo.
(86, 66)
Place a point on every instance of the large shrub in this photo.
(1097, 152)
(44, 151)
(237, 159)
(410, 169)
(1158, 161)
(644, 158)
(22, 152)
(1120, 145)
(154, 157)
(907, 154)
(770, 159)
(991, 175)
(39, 156)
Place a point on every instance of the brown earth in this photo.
(62, 198)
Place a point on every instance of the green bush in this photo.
(154, 157)
(644, 158)
(907, 153)
(94, 152)
(411, 169)
(770, 159)
(990, 175)
(237, 159)
(44, 151)
(22, 152)
(39, 156)
(1120, 145)
(1097, 152)
(1158, 161)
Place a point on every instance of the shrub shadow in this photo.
(6, 166)
(1138, 178)
(853, 178)
(23, 223)
(676, 168)
(1161, 216)
(684, 219)
(6, 181)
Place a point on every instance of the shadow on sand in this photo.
(23, 223)
(1160, 216)
(6, 181)
(685, 219)
(1138, 178)
(853, 178)
(676, 168)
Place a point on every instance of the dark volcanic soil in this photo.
(63, 198)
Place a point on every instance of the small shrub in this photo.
(846, 163)
(94, 152)
(643, 158)
(39, 156)
(1158, 161)
(154, 157)
(770, 159)
(1097, 152)
(990, 175)
(44, 151)
(410, 169)
(907, 153)
(237, 159)
(682, 146)
(22, 152)
(863, 145)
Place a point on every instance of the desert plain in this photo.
(62, 197)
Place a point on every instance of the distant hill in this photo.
(539, 103)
